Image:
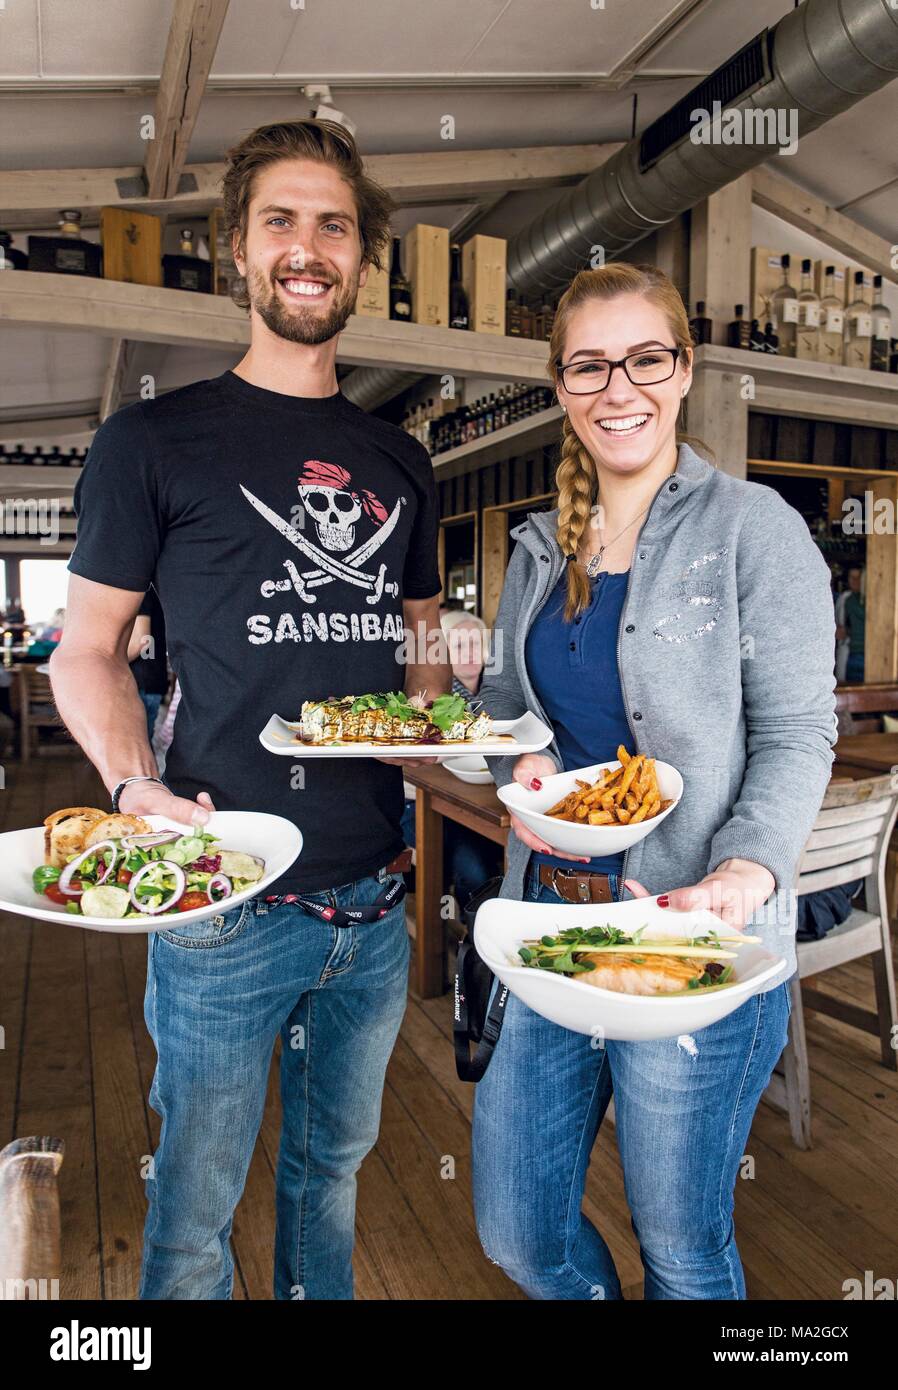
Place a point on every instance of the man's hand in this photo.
(734, 891)
(149, 799)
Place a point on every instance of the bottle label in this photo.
(402, 310)
(809, 313)
(789, 310)
(835, 321)
(882, 326)
(70, 258)
(862, 325)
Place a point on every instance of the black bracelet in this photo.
(119, 788)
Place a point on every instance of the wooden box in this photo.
(224, 271)
(483, 276)
(426, 261)
(766, 275)
(132, 246)
(373, 299)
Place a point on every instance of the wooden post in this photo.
(881, 599)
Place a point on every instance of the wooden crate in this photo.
(426, 261)
(373, 299)
(132, 246)
(483, 276)
(766, 274)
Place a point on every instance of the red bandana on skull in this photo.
(315, 472)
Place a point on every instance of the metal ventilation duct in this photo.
(369, 387)
(819, 60)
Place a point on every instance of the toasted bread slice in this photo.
(64, 832)
(113, 827)
(643, 975)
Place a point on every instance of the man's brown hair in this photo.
(327, 143)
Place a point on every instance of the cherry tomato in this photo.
(56, 895)
(188, 901)
(124, 876)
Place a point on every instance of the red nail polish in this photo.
(664, 901)
(535, 784)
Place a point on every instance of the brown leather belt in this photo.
(574, 887)
(402, 863)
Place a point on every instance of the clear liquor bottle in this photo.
(858, 327)
(784, 311)
(807, 329)
(832, 320)
(882, 329)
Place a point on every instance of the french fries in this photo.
(624, 795)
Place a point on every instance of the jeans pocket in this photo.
(216, 930)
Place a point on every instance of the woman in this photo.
(467, 637)
(639, 612)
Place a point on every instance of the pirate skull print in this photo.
(326, 495)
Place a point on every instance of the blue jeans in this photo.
(151, 704)
(218, 993)
(683, 1111)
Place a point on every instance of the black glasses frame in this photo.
(621, 362)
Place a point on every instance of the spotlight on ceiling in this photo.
(323, 108)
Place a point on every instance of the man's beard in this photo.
(303, 325)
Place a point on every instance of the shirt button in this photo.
(674, 486)
(573, 646)
(636, 714)
(629, 628)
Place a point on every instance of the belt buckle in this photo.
(583, 893)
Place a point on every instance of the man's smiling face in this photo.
(302, 252)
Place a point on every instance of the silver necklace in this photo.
(594, 562)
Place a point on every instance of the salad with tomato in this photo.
(151, 875)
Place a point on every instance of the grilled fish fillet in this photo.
(331, 721)
(659, 974)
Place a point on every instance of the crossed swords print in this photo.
(328, 567)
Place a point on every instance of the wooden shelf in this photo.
(17, 479)
(147, 314)
(790, 386)
(524, 435)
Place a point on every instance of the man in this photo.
(192, 492)
(850, 625)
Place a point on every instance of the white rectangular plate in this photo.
(503, 924)
(272, 838)
(528, 735)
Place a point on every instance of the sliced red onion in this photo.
(219, 881)
(180, 885)
(151, 839)
(70, 870)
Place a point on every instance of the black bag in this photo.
(474, 1021)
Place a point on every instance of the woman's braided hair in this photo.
(575, 477)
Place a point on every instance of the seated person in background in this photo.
(470, 859)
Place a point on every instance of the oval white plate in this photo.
(469, 769)
(502, 924)
(272, 838)
(528, 735)
(573, 836)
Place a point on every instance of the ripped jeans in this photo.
(683, 1110)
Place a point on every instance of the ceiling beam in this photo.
(30, 198)
(192, 40)
(812, 215)
(114, 382)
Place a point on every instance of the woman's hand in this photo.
(528, 770)
(735, 890)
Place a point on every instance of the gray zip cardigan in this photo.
(726, 658)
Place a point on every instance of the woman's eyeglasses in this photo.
(646, 368)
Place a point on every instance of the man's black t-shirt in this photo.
(150, 670)
(282, 534)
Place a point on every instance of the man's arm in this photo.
(139, 632)
(97, 698)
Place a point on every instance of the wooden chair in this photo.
(29, 1218)
(36, 709)
(859, 708)
(849, 841)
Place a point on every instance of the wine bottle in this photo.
(400, 287)
(459, 309)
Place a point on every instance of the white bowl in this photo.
(502, 924)
(469, 769)
(573, 836)
(272, 838)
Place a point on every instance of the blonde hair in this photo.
(575, 477)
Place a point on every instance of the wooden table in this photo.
(439, 795)
(857, 755)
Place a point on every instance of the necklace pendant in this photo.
(593, 563)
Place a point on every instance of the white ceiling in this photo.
(76, 76)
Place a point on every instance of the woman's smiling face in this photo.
(623, 427)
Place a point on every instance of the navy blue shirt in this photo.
(573, 667)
